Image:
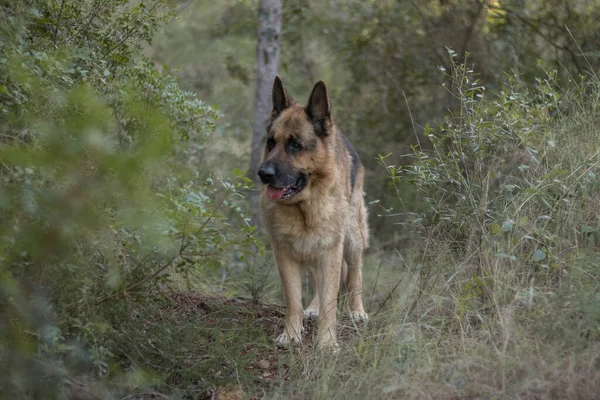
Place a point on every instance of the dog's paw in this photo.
(359, 317)
(330, 345)
(311, 313)
(285, 340)
(334, 349)
(329, 348)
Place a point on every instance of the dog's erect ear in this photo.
(281, 100)
(319, 106)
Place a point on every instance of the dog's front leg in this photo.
(328, 276)
(291, 277)
(312, 311)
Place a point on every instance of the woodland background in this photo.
(130, 265)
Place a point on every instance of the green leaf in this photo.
(539, 255)
(495, 228)
(504, 255)
(587, 229)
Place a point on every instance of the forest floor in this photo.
(186, 345)
(214, 347)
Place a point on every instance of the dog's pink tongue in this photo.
(274, 193)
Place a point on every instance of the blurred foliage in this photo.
(101, 201)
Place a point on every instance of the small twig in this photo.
(183, 6)
(196, 254)
(375, 287)
(539, 32)
(142, 260)
(412, 121)
(140, 395)
(138, 284)
(389, 295)
(167, 264)
(237, 375)
(130, 33)
(430, 34)
(62, 6)
(125, 38)
(471, 28)
(13, 138)
(95, 11)
(79, 386)
(582, 53)
(212, 214)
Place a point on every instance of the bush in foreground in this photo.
(100, 202)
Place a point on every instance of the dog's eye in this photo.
(270, 144)
(294, 146)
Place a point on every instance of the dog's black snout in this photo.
(266, 173)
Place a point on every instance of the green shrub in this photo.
(509, 188)
(99, 197)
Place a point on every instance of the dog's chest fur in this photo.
(308, 227)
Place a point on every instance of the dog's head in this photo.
(297, 146)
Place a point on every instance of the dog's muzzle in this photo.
(280, 184)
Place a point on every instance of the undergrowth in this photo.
(498, 294)
(102, 202)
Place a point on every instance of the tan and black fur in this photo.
(312, 205)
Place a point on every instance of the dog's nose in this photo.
(266, 173)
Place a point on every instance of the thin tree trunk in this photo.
(268, 50)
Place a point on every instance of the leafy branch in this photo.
(62, 6)
(184, 245)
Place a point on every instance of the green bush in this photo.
(99, 197)
(509, 188)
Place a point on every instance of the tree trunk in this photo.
(268, 50)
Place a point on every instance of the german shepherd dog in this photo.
(312, 205)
